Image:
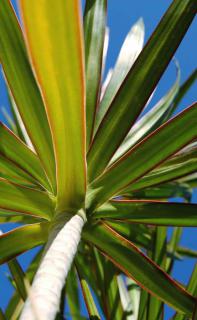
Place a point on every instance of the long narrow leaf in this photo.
(72, 294)
(23, 86)
(7, 216)
(60, 74)
(94, 33)
(13, 173)
(150, 212)
(192, 288)
(16, 303)
(172, 247)
(16, 151)
(181, 93)
(133, 232)
(163, 191)
(149, 122)
(189, 253)
(177, 167)
(89, 300)
(18, 276)
(146, 155)
(16, 198)
(129, 52)
(155, 306)
(136, 265)
(139, 84)
(22, 239)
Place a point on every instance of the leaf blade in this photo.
(149, 122)
(59, 85)
(16, 198)
(149, 212)
(142, 158)
(94, 33)
(142, 78)
(130, 50)
(16, 151)
(23, 86)
(89, 300)
(136, 265)
(177, 167)
(37, 234)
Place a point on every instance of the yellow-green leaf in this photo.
(24, 89)
(25, 200)
(22, 239)
(54, 41)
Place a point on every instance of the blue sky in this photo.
(121, 16)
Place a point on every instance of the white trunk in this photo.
(44, 296)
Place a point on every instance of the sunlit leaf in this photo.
(15, 198)
(23, 86)
(177, 167)
(149, 212)
(94, 33)
(149, 122)
(89, 300)
(26, 237)
(60, 75)
(129, 52)
(143, 157)
(139, 84)
(15, 151)
(136, 265)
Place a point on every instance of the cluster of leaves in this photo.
(132, 165)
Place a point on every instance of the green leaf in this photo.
(13, 173)
(95, 279)
(142, 313)
(89, 301)
(16, 152)
(192, 285)
(24, 89)
(129, 52)
(9, 120)
(20, 130)
(16, 303)
(150, 212)
(181, 165)
(163, 191)
(192, 288)
(190, 180)
(19, 278)
(158, 254)
(187, 252)
(136, 233)
(60, 75)
(10, 217)
(16, 198)
(23, 238)
(112, 293)
(72, 296)
(139, 267)
(94, 34)
(139, 84)
(181, 93)
(172, 247)
(149, 122)
(142, 158)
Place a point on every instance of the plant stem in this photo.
(44, 296)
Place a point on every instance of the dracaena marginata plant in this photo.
(80, 170)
